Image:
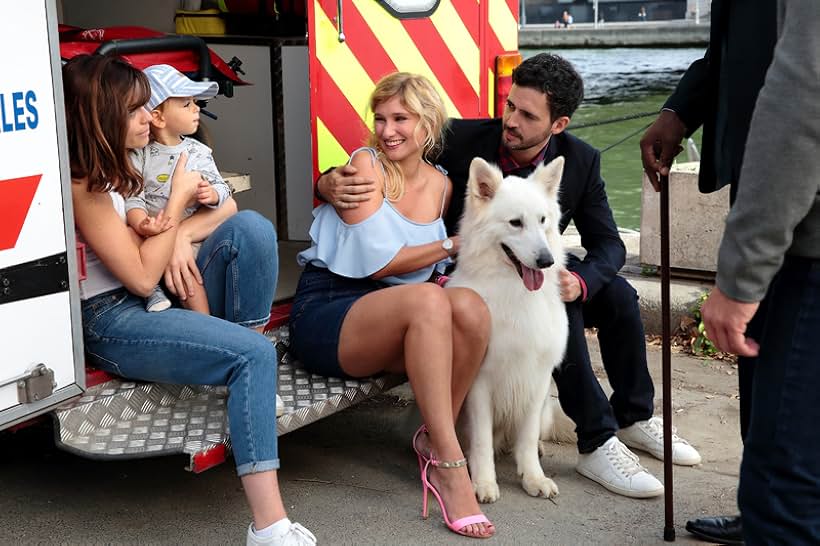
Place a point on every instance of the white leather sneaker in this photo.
(616, 468)
(648, 436)
(296, 536)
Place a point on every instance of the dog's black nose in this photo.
(544, 259)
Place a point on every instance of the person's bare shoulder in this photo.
(367, 166)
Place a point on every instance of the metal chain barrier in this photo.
(627, 137)
(615, 120)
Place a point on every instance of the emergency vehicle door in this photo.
(41, 350)
(353, 43)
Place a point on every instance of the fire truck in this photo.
(313, 67)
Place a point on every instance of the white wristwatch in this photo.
(448, 245)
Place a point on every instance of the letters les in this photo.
(18, 111)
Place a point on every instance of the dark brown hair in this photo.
(556, 78)
(100, 94)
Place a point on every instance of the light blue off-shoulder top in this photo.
(359, 250)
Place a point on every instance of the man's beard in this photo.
(524, 144)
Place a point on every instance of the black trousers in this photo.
(614, 311)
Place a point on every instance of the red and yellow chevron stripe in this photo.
(455, 47)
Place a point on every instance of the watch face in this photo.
(447, 244)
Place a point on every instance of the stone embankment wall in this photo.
(615, 35)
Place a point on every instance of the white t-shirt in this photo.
(156, 162)
(98, 278)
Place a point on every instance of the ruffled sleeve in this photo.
(360, 250)
(351, 250)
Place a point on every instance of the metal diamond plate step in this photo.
(127, 419)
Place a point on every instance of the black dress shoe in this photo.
(720, 529)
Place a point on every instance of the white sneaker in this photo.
(157, 301)
(296, 536)
(648, 436)
(616, 468)
(280, 406)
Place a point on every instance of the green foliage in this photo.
(649, 270)
(701, 344)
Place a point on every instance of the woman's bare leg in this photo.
(262, 492)
(198, 301)
(409, 329)
(471, 333)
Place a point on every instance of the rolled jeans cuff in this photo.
(256, 467)
(255, 322)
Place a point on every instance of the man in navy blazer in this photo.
(546, 92)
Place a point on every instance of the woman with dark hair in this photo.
(106, 118)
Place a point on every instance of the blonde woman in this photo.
(363, 307)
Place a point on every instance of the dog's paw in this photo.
(539, 486)
(486, 491)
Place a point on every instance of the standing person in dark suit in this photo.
(718, 92)
(545, 93)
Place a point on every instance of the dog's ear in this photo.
(484, 179)
(550, 176)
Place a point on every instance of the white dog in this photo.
(511, 253)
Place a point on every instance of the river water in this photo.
(620, 82)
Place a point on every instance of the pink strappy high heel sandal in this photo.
(422, 457)
(459, 524)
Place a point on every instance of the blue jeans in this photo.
(779, 494)
(239, 265)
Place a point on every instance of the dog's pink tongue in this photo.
(533, 278)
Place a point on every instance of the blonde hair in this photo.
(419, 97)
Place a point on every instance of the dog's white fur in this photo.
(509, 404)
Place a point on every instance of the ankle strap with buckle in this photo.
(448, 464)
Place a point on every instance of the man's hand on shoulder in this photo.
(725, 321)
(343, 189)
(660, 145)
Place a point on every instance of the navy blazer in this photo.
(581, 194)
(741, 41)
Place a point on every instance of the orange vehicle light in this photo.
(504, 65)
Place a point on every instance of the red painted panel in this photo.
(364, 45)
(279, 315)
(204, 460)
(338, 114)
(513, 5)
(16, 195)
(93, 376)
(468, 11)
(435, 51)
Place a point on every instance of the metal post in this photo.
(697, 12)
(666, 365)
(522, 22)
(595, 13)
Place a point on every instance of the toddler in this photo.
(174, 114)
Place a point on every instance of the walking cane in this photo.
(666, 365)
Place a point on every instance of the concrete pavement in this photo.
(352, 479)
